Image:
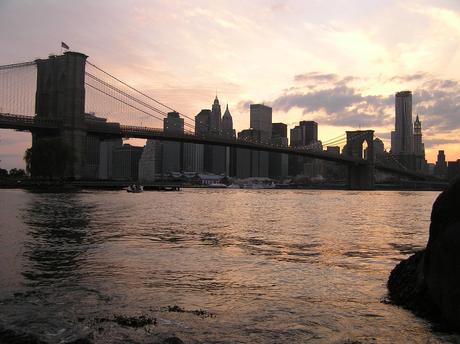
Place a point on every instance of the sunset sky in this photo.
(337, 62)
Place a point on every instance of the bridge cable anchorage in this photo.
(144, 94)
(129, 96)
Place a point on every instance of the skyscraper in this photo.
(227, 124)
(304, 134)
(310, 131)
(208, 123)
(203, 122)
(403, 139)
(419, 147)
(261, 119)
(215, 119)
(172, 151)
(279, 130)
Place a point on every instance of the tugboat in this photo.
(135, 188)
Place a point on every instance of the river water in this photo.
(242, 266)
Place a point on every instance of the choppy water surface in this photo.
(267, 266)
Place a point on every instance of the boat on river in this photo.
(135, 188)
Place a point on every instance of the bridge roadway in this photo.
(112, 129)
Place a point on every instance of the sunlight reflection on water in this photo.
(270, 265)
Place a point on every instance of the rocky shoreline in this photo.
(428, 282)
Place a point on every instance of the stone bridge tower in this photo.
(361, 176)
(61, 96)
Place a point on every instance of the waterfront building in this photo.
(106, 149)
(125, 162)
(193, 155)
(278, 162)
(453, 169)
(252, 163)
(149, 163)
(261, 120)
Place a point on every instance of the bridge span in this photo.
(60, 111)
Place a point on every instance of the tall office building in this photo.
(215, 119)
(125, 162)
(203, 122)
(310, 131)
(403, 139)
(304, 134)
(261, 119)
(279, 130)
(171, 151)
(173, 123)
(207, 123)
(227, 124)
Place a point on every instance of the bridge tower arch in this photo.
(361, 176)
(60, 96)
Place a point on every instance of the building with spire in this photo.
(227, 124)
(215, 120)
(419, 147)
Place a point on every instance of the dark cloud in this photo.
(342, 104)
(436, 142)
(410, 77)
(317, 77)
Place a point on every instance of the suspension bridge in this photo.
(56, 97)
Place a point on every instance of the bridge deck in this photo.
(30, 123)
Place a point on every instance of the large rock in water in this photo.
(428, 282)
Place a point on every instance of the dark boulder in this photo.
(428, 282)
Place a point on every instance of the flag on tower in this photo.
(65, 46)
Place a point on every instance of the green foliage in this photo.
(48, 158)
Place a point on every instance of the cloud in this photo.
(410, 77)
(338, 101)
(335, 102)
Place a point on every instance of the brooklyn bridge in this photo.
(50, 98)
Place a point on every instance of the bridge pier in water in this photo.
(60, 96)
(361, 176)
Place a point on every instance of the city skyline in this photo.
(353, 87)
